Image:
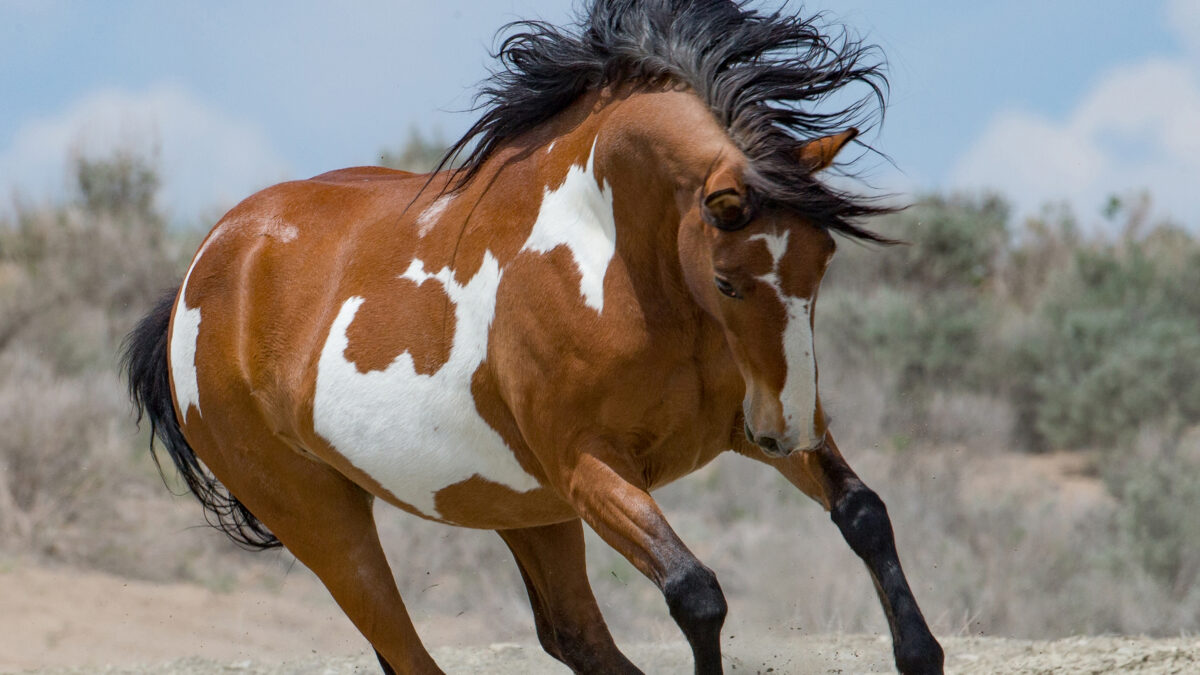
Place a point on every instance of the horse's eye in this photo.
(726, 288)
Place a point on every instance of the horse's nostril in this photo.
(749, 434)
(769, 444)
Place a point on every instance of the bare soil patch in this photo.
(60, 622)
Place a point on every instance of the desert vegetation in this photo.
(1024, 395)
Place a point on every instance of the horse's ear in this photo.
(818, 154)
(725, 204)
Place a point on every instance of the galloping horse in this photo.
(614, 287)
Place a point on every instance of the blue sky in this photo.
(1067, 100)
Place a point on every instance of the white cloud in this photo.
(208, 159)
(1183, 17)
(1137, 129)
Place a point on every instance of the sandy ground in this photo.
(74, 618)
(66, 621)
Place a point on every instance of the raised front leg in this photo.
(863, 520)
(629, 520)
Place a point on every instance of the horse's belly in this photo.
(413, 433)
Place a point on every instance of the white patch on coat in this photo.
(429, 217)
(185, 332)
(579, 215)
(184, 335)
(414, 433)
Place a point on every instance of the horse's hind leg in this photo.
(326, 521)
(569, 624)
(863, 520)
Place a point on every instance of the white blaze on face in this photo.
(799, 395)
(414, 433)
(579, 215)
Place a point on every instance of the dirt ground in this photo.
(65, 621)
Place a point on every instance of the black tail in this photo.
(144, 360)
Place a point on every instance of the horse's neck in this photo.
(654, 150)
(642, 155)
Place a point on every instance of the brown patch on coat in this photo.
(478, 502)
(379, 333)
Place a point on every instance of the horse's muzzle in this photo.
(774, 447)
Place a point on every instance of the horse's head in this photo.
(756, 269)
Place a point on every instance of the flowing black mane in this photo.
(762, 76)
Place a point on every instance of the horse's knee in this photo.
(695, 600)
(863, 519)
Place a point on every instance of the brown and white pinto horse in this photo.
(617, 287)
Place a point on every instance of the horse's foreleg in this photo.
(629, 520)
(863, 520)
(569, 624)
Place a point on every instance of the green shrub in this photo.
(1157, 481)
(1088, 339)
(1114, 345)
(920, 311)
(122, 183)
(932, 342)
(75, 278)
(952, 242)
